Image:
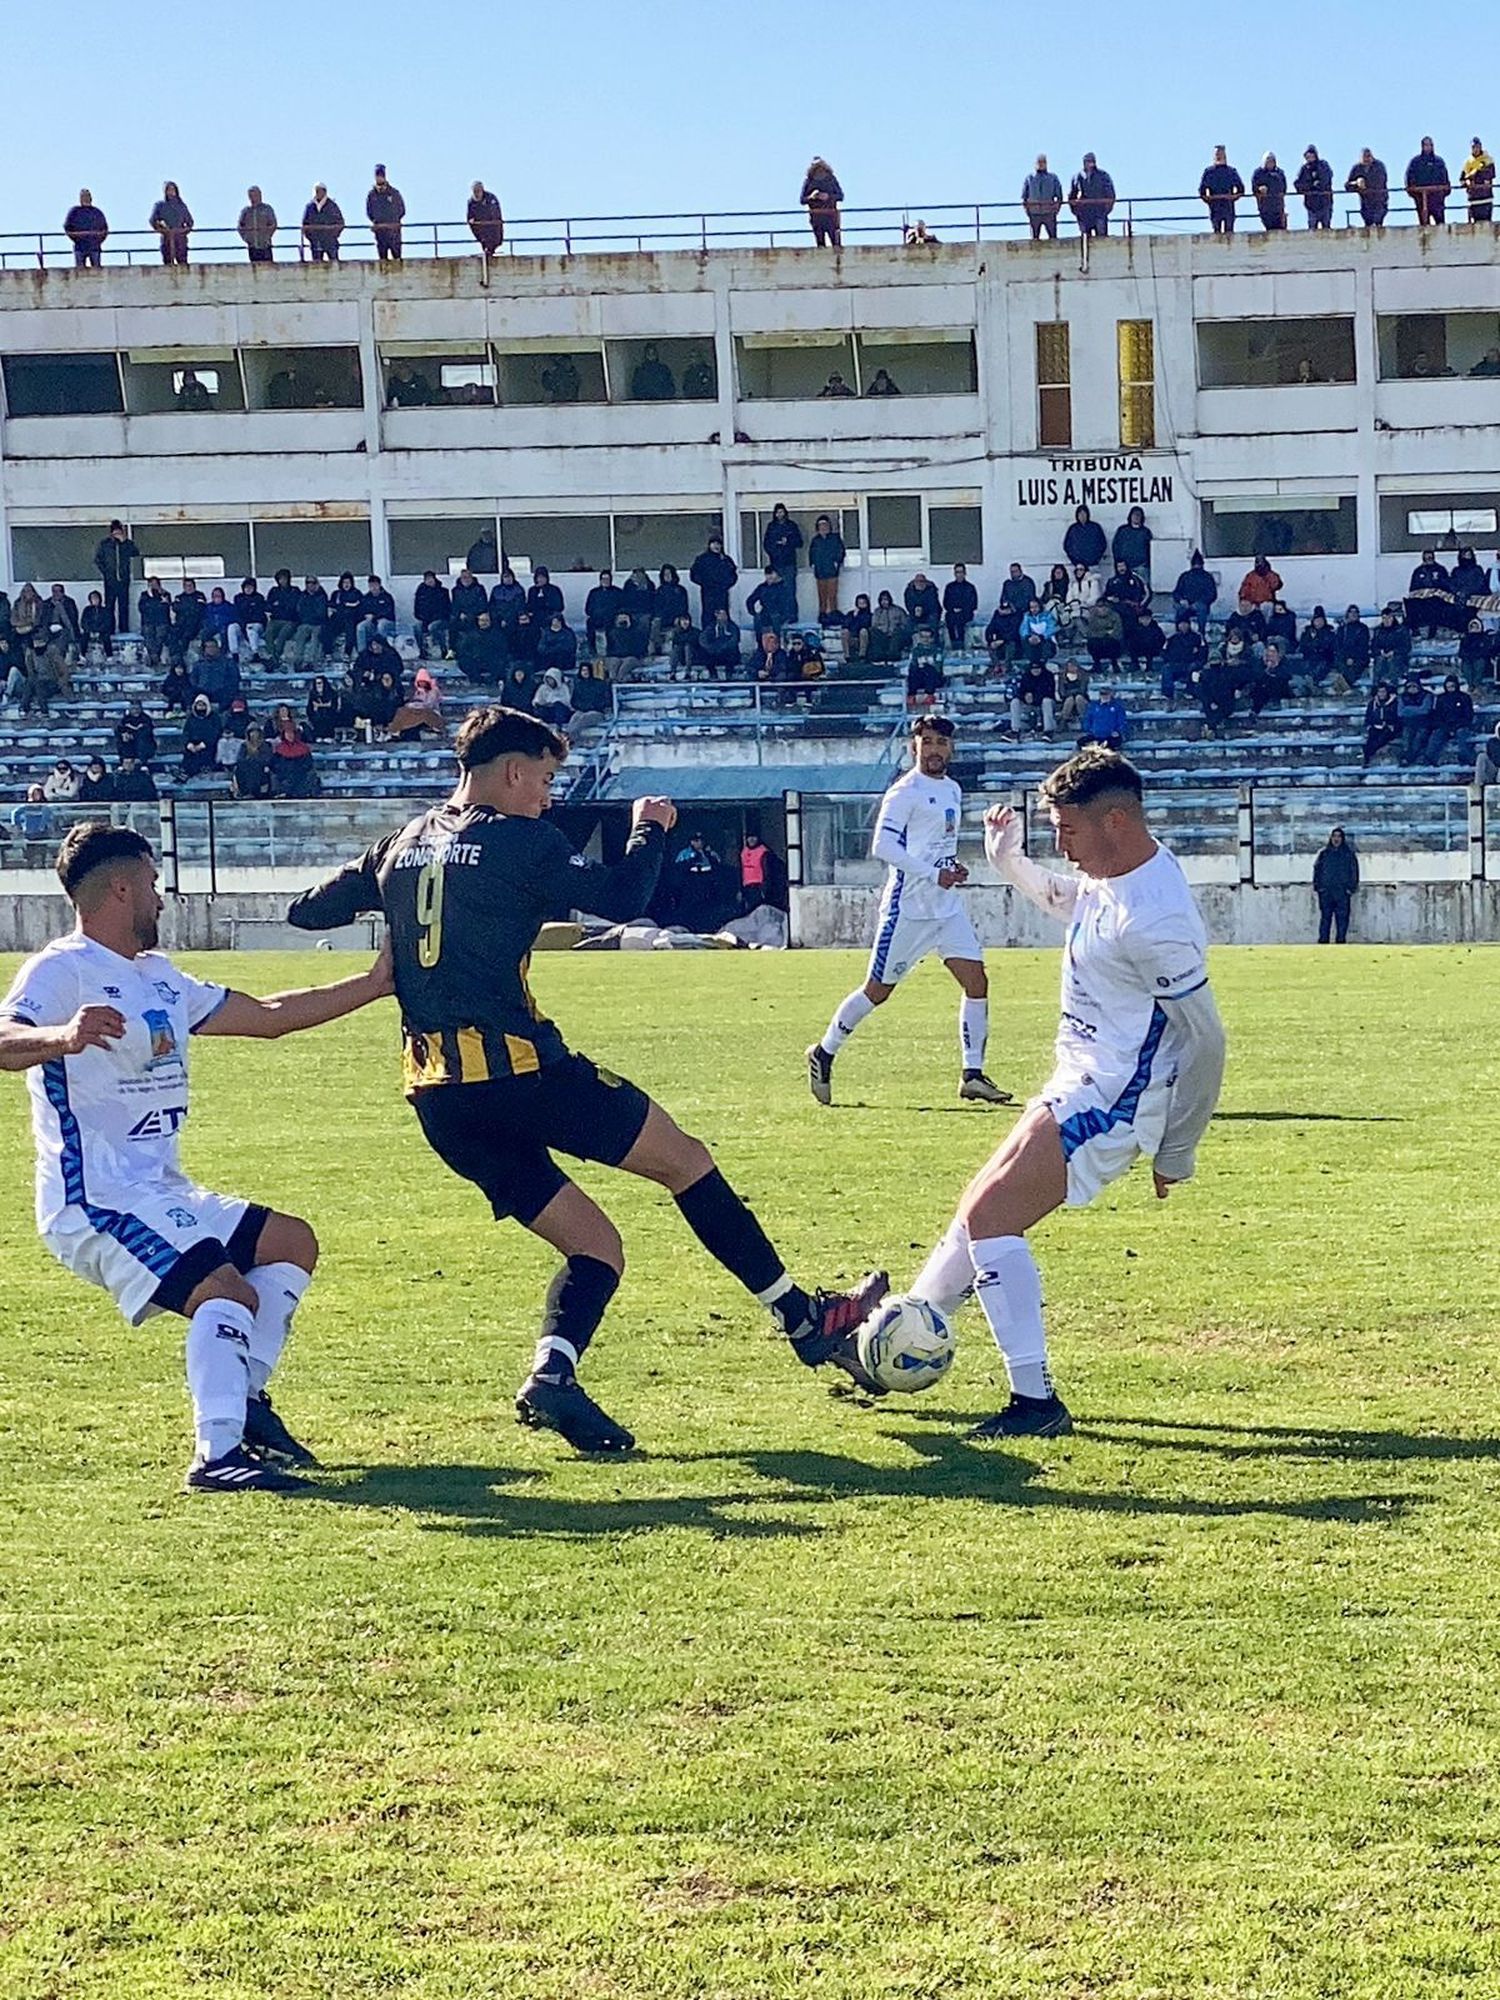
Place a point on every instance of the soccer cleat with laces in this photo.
(566, 1408)
(820, 1073)
(835, 1318)
(1027, 1417)
(976, 1088)
(268, 1437)
(239, 1472)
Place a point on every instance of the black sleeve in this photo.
(619, 891)
(352, 892)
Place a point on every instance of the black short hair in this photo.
(94, 843)
(1094, 774)
(932, 725)
(488, 733)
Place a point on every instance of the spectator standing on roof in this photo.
(820, 196)
(172, 219)
(486, 221)
(1219, 190)
(385, 210)
(1369, 179)
(257, 227)
(1428, 184)
(1477, 178)
(1268, 186)
(1091, 196)
(322, 226)
(86, 228)
(1315, 185)
(1041, 195)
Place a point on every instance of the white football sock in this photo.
(973, 1032)
(218, 1373)
(279, 1288)
(1010, 1293)
(947, 1278)
(848, 1017)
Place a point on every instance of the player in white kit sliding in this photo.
(1140, 1059)
(921, 914)
(100, 1022)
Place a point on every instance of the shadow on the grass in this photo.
(1288, 1440)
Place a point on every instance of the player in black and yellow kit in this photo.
(465, 890)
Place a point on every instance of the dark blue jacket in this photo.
(431, 602)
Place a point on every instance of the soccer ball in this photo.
(905, 1344)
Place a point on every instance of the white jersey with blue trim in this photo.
(1133, 941)
(107, 1120)
(916, 834)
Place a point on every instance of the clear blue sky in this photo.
(582, 107)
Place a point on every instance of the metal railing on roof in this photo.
(731, 229)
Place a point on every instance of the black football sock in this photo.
(731, 1235)
(576, 1302)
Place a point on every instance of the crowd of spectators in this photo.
(1090, 198)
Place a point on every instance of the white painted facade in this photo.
(1363, 442)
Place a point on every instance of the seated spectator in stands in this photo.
(237, 721)
(882, 385)
(719, 645)
(1239, 657)
(835, 386)
(770, 659)
(344, 602)
(431, 608)
(1055, 594)
(1072, 694)
(1182, 658)
(1488, 364)
(553, 700)
(1268, 187)
(1036, 636)
(1487, 759)
(294, 770)
(193, 393)
(1085, 543)
(187, 620)
(1428, 599)
(715, 575)
(95, 787)
(15, 665)
(960, 606)
(469, 597)
(1476, 652)
(524, 636)
(1248, 623)
(925, 678)
(482, 651)
(1126, 591)
(1261, 584)
(1351, 649)
(377, 658)
(406, 388)
(698, 384)
(378, 699)
(1132, 545)
(890, 631)
(1105, 721)
(1218, 692)
(804, 660)
(216, 618)
(682, 648)
(283, 611)
(177, 689)
(216, 675)
(250, 774)
(1280, 625)
(248, 617)
(310, 641)
(1468, 578)
(323, 709)
(60, 787)
(671, 603)
(26, 614)
(1103, 633)
(135, 733)
(544, 600)
(58, 625)
(923, 606)
(421, 714)
(1033, 701)
(1382, 721)
(154, 619)
(592, 699)
(1002, 632)
(1390, 645)
(200, 739)
(1319, 647)
(1452, 720)
(638, 601)
(1085, 588)
(1271, 683)
(519, 685)
(1414, 715)
(770, 604)
(507, 601)
(1145, 641)
(377, 612)
(95, 626)
(622, 654)
(1194, 592)
(134, 782)
(34, 819)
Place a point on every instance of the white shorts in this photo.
(903, 942)
(1103, 1139)
(129, 1254)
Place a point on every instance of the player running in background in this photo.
(465, 889)
(1140, 1059)
(100, 1022)
(921, 912)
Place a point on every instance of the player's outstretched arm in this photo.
(1200, 1077)
(353, 892)
(278, 1014)
(23, 1044)
(622, 889)
(1051, 892)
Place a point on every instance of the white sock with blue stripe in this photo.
(973, 1032)
(279, 1289)
(218, 1373)
(846, 1019)
(1009, 1286)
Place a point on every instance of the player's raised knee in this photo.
(288, 1239)
(224, 1283)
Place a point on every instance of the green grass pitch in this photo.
(808, 1698)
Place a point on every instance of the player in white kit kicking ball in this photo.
(100, 1021)
(921, 914)
(1140, 1059)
